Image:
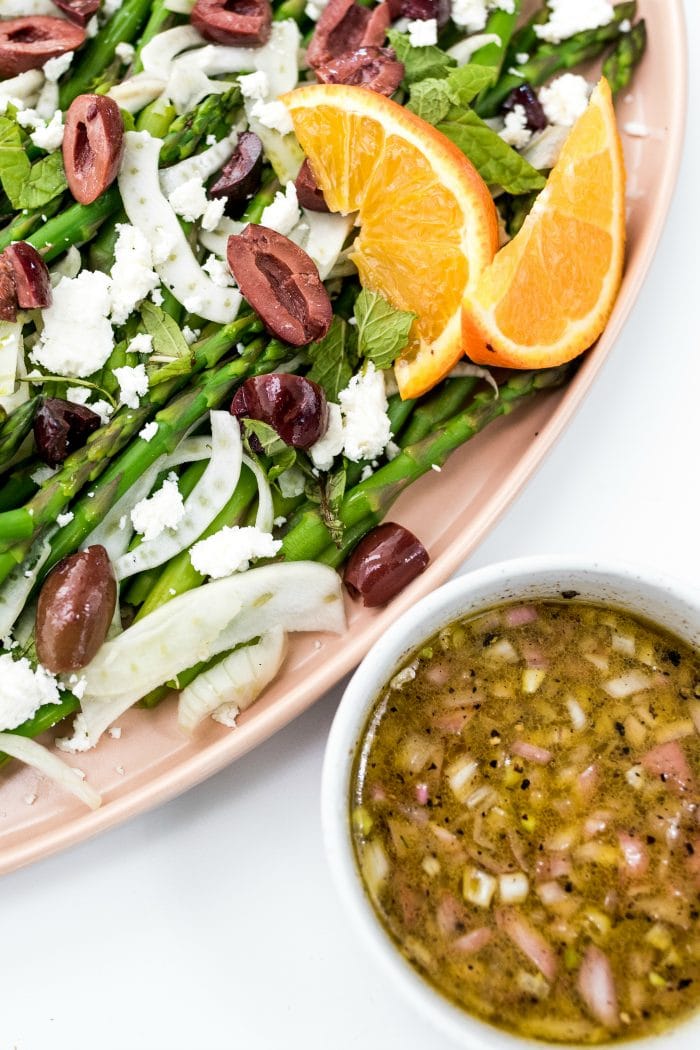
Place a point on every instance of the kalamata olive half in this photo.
(345, 26)
(240, 176)
(75, 608)
(421, 10)
(27, 43)
(60, 427)
(383, 563)
(79, 11)
(309, 193)
(376, 68)
(93, 143)
(241, 23)
(281, 283)
(294, 406)
(31, 274)
(524, 96)
(8, 291)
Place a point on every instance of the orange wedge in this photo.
(428, 223)
(549, 293)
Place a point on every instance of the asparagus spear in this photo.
(552, 58)
(15, 429)
(502, 24)
(157, 20)
(214, 116)
(625, 57)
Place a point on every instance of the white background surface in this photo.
(211, 922)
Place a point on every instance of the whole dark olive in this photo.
(295, 407)
(524, 96)
(60, 427)
(383, 563)
(75, 608)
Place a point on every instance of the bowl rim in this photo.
(410, 631)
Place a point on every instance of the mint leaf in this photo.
(433, 98)
(268, 439)
(333, 358)
(466, 82)
(382, 331)
(497, 163)
(419, 62)
(168, 340)
(27, 185)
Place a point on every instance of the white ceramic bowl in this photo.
(670, 604)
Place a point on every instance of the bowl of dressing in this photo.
(511, 806)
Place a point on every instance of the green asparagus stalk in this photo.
(549, 59)
(158, 19)
(76, 225)
(624, 58)
(15, 429)
(27, 221)
(433, 411)
(122, 27)
(289, 9)
(46, 717)
(16, 488)
(214, 116)
(502, 24)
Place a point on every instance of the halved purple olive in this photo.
(281, 283)
(376, 68)
(60, 427)
(421, 10)
(93, 143)
(27, 43)
(345, 26)
(383, 563)
(75, 608)
(32, 278)
(524, 96)
(294, 406)
(240, 23)
(8, 291)
(309, 193)
(240, 176)
(78, 11)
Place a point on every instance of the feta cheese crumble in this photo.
(23, 690)
(165, 509)
(231, 549)
(189, 200)
(324, 451)
(132, 276)
(515, 130)
(283, 214)
(141, 344)
(366, 425)
(125, 51)
(636, 129)
(133, 384)
(422, 32)
(254, 85)
(567, 17)
(565, 99)
(65, 519)
(219, 272)
(273, 115)
(49, 136)
(191, 334)
(54, 68)
(149, 431)
(77, 337)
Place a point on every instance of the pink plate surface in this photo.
(151, 762)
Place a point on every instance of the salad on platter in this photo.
(262, 267)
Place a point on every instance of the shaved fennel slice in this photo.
(179, 7)
(151, 213)
(543, 150)
(40, 758)
(115, 531)
(137, 92)
(19, 585)
(201, 165)
(322, 237)
(158, 54)
(25, 8)
(47, 100)
(265, 517)
(209, 496)
(278, 59)
(236, 680)
(11, 344)
(463, 51)
(283, 151)
(216, 240)
(465, 369)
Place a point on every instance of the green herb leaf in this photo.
(466, 82)
(419, 62)
(382, 331)
(433, 98)
(333, 358)
(168, 340)
(497, 163)
(268, 438)
(27, 185)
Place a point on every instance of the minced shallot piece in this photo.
(596, 985)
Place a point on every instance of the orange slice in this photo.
(548, 294)
(428, 223)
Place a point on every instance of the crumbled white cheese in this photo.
(49, 136)
(471, 14)
(279, 521)
(515, 130)
(367, 472)
(366, 425)
(133, 384)
(133, 276)
(522, 57)
(218, 271)
(110, 7)
(231, 549)
(30, 798)
(213, 213)
(254, 85)
(226, 715)
(211, 140)
(392, 450)
(565, 99)
(157, 297)
(78, 395)
(165, 509)
(29, 118)
(55, 67)
(189, 200)
(80, 741)
(191, 334)
(115, 732)
(273, 115)
(149, 431)
(77, 337)
(125, 51)
(422, 32)
(23, 690)
(283, 214)
(567, 17)
(103, 409)
(636, 129)
(314, 9)
(625, 26)
(331, 444)
(122, 522)
(92, 28)
(291, 483)
(141, 344)
(65, 519)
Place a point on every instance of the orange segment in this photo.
(548, 294)
(428, 225)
